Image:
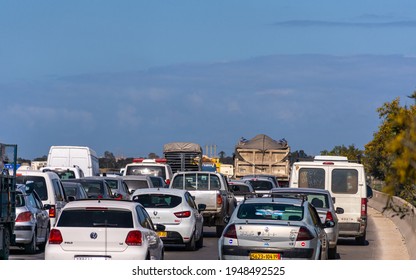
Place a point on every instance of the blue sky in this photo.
(130, 76)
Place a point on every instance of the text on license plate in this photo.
(265, 256)
(162, 233)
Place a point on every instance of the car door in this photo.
(42, 217)
(199, 220)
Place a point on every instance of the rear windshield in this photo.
(261, 185)
(196, 182)
(96, 218)
(136, 184)
(240, 189)
(344, 181)
(312, 178)
(146, 170)
(270, 211)
(65, 174)
(158, 200)
(93, 189)
(39, 185)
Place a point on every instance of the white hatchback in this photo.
(104, 230)
(177, 211)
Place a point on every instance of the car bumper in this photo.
(24, 234)
(243, 253)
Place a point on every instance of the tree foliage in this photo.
(351, 152)
(391, 155)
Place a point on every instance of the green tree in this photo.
(351, 152)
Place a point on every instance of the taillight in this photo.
(219, 200)
(304, 234)
(230, 232)
(134, 238)
(52, 211)
(329, 216)
(183, 214)
(167, 181)
(55, 237)
(24, 217)
(363, 207)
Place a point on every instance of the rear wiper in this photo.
(104, 225)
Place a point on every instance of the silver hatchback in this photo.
(324, 205)
(32, 220)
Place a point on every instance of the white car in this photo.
(177, 211)
(104, 230)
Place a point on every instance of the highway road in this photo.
(384, 242)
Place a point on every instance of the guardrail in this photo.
(405, 224)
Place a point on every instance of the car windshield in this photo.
(158, 200)
(270, 211)
(96, 218)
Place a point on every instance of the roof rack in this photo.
(300, 196)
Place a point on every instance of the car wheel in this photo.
(200, 242)
(360, 240)
(4, 254)
(332, 253)
(191, 245)
(219, 230)
(31, 247)
(43, 244)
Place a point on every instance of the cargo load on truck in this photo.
(183, 156)
(262, 155)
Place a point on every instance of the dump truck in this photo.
(183, 156)
(262, 155)
(8, 162)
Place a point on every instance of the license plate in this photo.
(265, 256)
(162, 233)
(91, 258)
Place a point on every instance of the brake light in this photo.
(138, 159)
(230, 232)
(134, 238)
(328, 163)
(363, 207)
(55, 237)
(304, 234)
(52, 211)
(24, 217)
(219, 200)
(329, 216)
(183, 214)
(167, 181)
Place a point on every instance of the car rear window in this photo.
(146, 170)
(38, 182)
(158, 200)
(261, 185)
(136, 184)
(96, 218)
(270, 211)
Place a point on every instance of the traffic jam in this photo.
(68, 210)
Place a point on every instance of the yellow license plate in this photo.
(265, 256)
(162, 233)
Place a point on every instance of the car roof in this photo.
(160, 190)
(36, 173)
(302, 190)
(277, 200)
(111, 203)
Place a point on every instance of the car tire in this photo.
(219, 230)
(4, 254)
(332, 253)
(200, 242)
(43, 244)
(360, 240)
(191, 245)
(31, 247)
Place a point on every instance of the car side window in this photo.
(314, 215)
(190, 200)
(144, 219)
(126, 188)
(59, 195)
(31, 201)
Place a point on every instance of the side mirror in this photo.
(71, 198)
(201, 207)
(339, 210)
(159, 227)
(46, 206)
(369, 192)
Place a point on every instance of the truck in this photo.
(183, 156)
(71, 156)
(8, 156)
(262, 155)
(212, 189)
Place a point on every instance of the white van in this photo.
(346, 181)
(65, 156)
(150, 167)
(49, 188)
